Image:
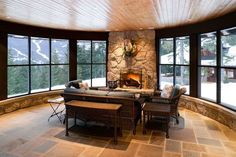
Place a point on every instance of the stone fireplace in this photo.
(144, 60)
(131, 78)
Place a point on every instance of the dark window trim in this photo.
(174, 65)
(29, 65)
(91, 63)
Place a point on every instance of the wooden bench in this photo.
(95, 110)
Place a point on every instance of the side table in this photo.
(156, 109)
(55, 104)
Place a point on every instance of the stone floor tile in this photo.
(91, 151)
(211, 142)
(44, 147)
(198, 123)
(6, 154)
(185, 134)
(149, 151)
(65, 150)
(212, 125)
(123, 149)
(12, 145)
(230, 145)
(173, 146)
(169, 154)
(216, 134)
(211, 155)
(193, 147)
(157, 138)
(215, 151)
(202, 132)
(191, 154)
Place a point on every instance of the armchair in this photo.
(172, 98)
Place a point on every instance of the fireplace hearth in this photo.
(131, 78)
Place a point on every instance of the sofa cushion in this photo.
(121, 94)
(96, 92)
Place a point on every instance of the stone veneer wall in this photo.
(145, 58)
(13, 104)
(211, 110)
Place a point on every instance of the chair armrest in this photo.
(158, 99)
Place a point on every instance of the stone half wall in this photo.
(211, 110)
(17, 103)
(144, 59)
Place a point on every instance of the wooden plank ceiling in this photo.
(112, 15)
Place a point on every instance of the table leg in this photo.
(66, 119)
(144, 115)
(115, 129)
(74, 118)
(167, 126)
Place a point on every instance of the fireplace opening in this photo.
(131, 78)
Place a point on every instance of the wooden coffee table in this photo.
(90, 108)
(157, 109)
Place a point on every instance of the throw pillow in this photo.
(84, 85)
(73, 83)
(167, 91)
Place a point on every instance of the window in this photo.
(59, 63)
(91, 62)
(18, 65)
(207, 66)
(228, 67)
(174, 61)
(40, 80)
(39, 66)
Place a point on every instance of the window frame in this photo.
(91, 63)
(29, 65)
(174, 65)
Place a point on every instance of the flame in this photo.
(135, 77)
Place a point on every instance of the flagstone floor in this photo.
(27, 133)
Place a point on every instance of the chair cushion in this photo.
(167, 91)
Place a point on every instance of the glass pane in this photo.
(208, 49)
(208, 83)
(39, 78)
(228, 47)
(228, 86)
(59, 76)
(182, 50)
(84, 73)
(17, 80)
(84, 51)
(166, 51)
(39, 50)
(182, 76)
(60, 51)
(18, 50)
(99, 75)
(99, 51)
(166, 76)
